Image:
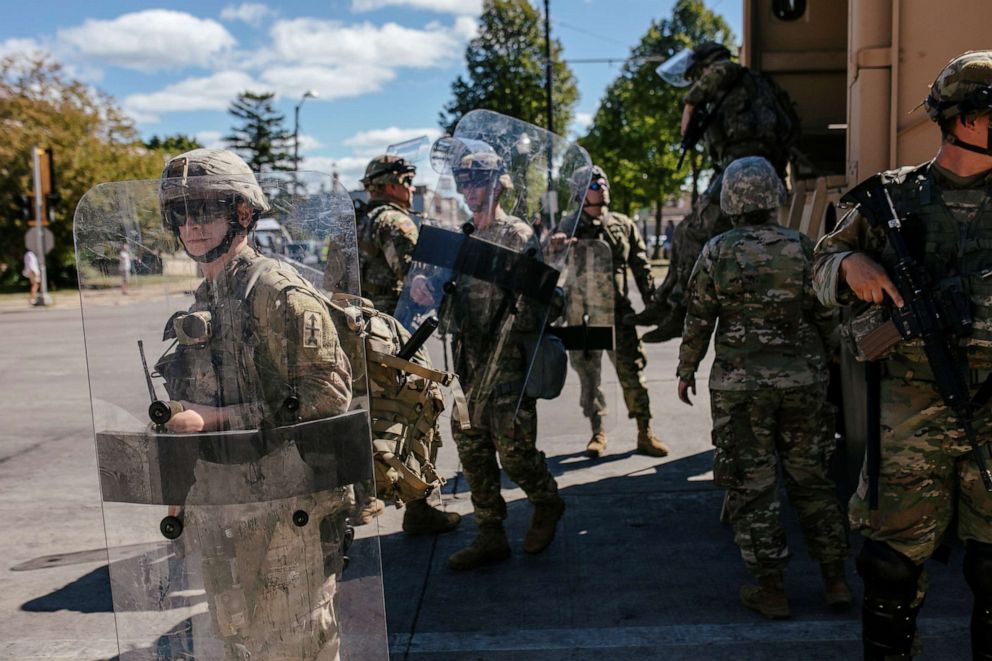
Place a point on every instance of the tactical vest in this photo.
(948, 243)
(763, 293)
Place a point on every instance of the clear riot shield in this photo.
(586, 329)
(231, 420)
(483, 263)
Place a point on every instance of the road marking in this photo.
(657, 637)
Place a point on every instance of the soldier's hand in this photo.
(559, 240)
(422, 291)
(868, 280)
(195, 418)
(684, 387)
(686, 116)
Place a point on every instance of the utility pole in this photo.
(42, 166)
(547, 64)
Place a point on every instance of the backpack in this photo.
(756, 110)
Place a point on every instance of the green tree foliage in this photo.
(260, 138)
(635, 132)
(92, 142)
(505, 64)
(173, 145)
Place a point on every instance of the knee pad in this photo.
(978, 573)
(888, 616)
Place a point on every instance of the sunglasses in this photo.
(196, 212)
(473, 178)
(598, 186)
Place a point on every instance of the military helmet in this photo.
(964, 85)
(388, 169)
(750, 184)
(704, 54)
(481, 167)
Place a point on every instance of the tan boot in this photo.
(372, 508)
(543, 525)
(647, 442)
(597, 444)
(489, 546)
(768, 597)
(422, 519)
(835, 586)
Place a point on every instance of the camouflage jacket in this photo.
(748, 121)
(386, 238)
(483, 310)
(278, 342)
(628, 249)
(754, 284)
(948, 226)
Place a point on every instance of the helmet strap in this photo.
(957, 142)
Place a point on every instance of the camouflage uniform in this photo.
(386, 238)
(927, 478)
(767, 389)
(741, 127)
(628, 250)
(498, 426)
(272, 358)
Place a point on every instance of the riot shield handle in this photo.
(160, 411)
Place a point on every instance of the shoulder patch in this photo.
(313, 330)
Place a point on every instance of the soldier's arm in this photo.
(639, 264)
(701, 315)
(853, 239)
(824, 319)
(398, 236)
(306, 349)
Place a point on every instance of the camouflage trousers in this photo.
(629, 360)
(496, 431)
(704, 221)
(927, 475)
(754, 432)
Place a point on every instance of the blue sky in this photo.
(383, 68)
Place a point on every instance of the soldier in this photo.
(386, 232)
(504, 423)
(272, 358)
(627, 248)
(767, 385)
(747, 115)
(926, 477)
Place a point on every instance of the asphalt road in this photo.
(641, 568)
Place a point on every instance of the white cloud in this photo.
(214, 92)
(16, 46)
(329, 82)
(312, 41)
(581, 123)
(369, 143)
(211, 139)
(252, 13)
(309, 143)
(150, 40)
(463, 7)
(350, 169)
(466, 27)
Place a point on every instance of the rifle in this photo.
(926, 315)
(699, 121)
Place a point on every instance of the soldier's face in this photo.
(476, 193)
(207, 230)
(401, 194)
(598, 194)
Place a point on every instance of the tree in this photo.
(635, 132)
(92, 140)
(505, 65)
(261, 139)
(173, 144)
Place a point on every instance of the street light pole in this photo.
(296, 127)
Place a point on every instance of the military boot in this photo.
(371, 508)
(668, 328)
(768, 597)
(543, 525)
(597, 444)
(647, 442)
(652, 314)
(488, 547)
(835, 586)
(420, 518)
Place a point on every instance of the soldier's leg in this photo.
(588, 365)
(629, 360)
(745, 465)
(910, 520)
(975, 527)
(805, 445)
(515, 433)
(477, 454)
